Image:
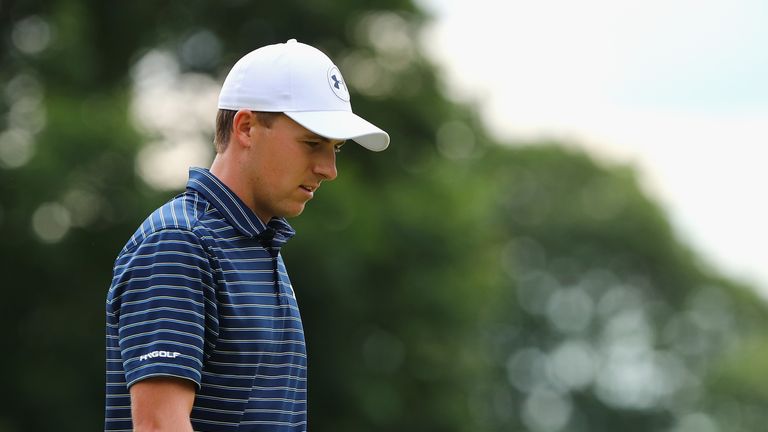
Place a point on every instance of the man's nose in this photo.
(325, 165)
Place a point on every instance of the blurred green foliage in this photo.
(451, 283)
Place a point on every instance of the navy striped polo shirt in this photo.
(200, 292)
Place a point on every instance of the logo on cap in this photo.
(337, 84)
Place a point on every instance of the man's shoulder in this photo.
(183, 213)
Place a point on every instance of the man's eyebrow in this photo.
(314, 136)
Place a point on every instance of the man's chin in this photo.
(293, 212)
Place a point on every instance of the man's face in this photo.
(285, 165)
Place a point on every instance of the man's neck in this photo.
(225, 168)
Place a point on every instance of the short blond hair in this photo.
(225, 119)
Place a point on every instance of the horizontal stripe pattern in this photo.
(200, 292)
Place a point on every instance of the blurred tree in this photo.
(610, 321)
(447, 284)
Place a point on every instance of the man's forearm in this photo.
(162, 405)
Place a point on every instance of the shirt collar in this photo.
(277, 231)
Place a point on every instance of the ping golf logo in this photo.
(155, 354)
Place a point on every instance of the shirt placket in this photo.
(267, 242)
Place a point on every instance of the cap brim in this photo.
(342, 125)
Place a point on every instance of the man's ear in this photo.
(242, 127)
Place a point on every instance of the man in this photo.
(203, 328)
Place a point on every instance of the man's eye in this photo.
(337, 148)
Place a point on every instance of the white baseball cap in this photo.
(302, 82)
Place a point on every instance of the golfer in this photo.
(203, 325)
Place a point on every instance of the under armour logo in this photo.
(336, 82)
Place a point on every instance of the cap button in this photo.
(291, 41)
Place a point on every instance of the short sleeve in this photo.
(163, 304)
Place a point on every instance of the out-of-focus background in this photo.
(518, 260)
(676, 88)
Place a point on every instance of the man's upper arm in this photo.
(163, 301)
(162, 404)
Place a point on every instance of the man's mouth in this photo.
(309, 188)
